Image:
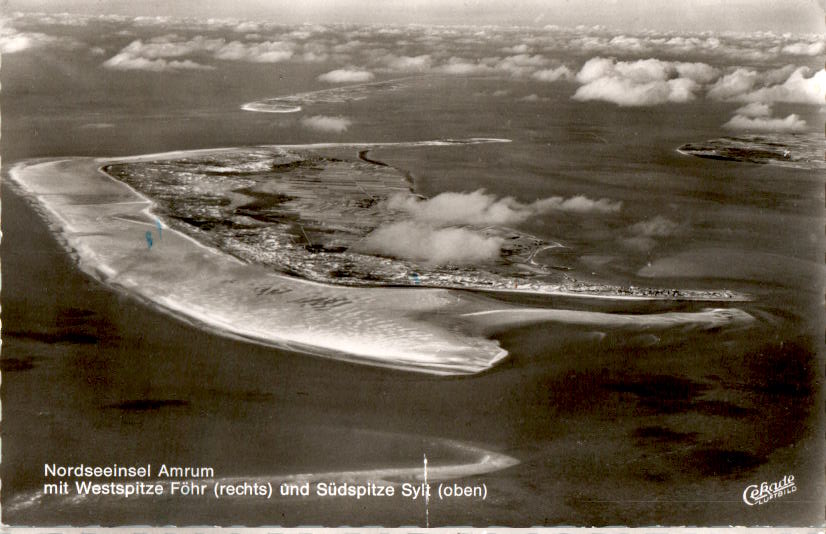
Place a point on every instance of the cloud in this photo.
(552, 75)
(66, 19)
(799, 88)
(347, 75)
(526, 50)
(408, 63)
(721, 47)
(791, 123)
(168, 46)
(754, 109)
(756, 117)
(644, 70)
(645, 82)
(310, 56)
(699, 72)
(129, 62)
(645, 233)
(324, 123)
(421, 242)
(247, 27)
(632, 76)
(658, 226)
(629, 44)
(517, 49)
(521, 64)
(460, 66)
(481, 208)
(578, 204)
(445, 229)
(625, 92)
(13, 40)
(313, 52)
(477, 207)
(804, 49)
(733, 84)
(153, 55)
(350, 46)
(796, 85)
(264, 52)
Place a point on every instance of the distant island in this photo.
(797, 150)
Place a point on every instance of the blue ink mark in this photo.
(149, 239)
(160, 228)
(414, 277)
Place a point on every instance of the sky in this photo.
(798, 16)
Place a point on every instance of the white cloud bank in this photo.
(324, 123)
(658, 226)
(645, 82)
(649, 82)
(805, 49)
(754, 109)
(552, 75)
(795, 85)
(129, 62)
(757, 117)
(348, 75)
(644, 234)
(13, 40)
(464, 67)
(157, 53)
(445, 229)
(417, 241)
(419, 63)
(791, 123)
(481, 208)
(264, 52)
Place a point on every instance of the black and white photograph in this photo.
(413, 264)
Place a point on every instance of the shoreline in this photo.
(379, 326)
(307, 146)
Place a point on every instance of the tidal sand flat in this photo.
(118, 238)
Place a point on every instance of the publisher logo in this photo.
(765, 491)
